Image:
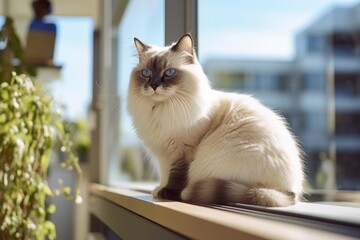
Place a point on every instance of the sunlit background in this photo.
(299, 57)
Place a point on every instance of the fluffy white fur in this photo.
(224, 136)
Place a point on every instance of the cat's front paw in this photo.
(156, 190)
(168, 193)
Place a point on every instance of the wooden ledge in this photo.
(198, 222)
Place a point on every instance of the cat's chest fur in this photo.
(165, 133)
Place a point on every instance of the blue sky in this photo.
(257, 28)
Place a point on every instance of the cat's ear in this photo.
(141, 47)
(185, 43)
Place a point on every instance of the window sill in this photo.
(198, 222)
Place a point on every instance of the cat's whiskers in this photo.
(134, 97)
(188, 96)
(171, 101)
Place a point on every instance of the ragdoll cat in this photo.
(211, 146)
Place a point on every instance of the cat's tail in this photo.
(217, 191)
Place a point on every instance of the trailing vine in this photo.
(29, 128)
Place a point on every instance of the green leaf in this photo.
(5, 94)
(60, 127)
(50, 227)
(46, 190)
(67, 191)
(51, 209)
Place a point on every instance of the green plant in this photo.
(11, 53)
(29, 127)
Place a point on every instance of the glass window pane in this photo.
(73, 52)
(145, 21)
(289, 54)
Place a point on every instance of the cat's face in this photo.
(161, 71)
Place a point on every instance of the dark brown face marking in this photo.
(157, 65)
(177, 181)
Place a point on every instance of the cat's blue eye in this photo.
(170, 72)
(146, 73)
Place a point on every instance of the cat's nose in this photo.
(154, 85)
